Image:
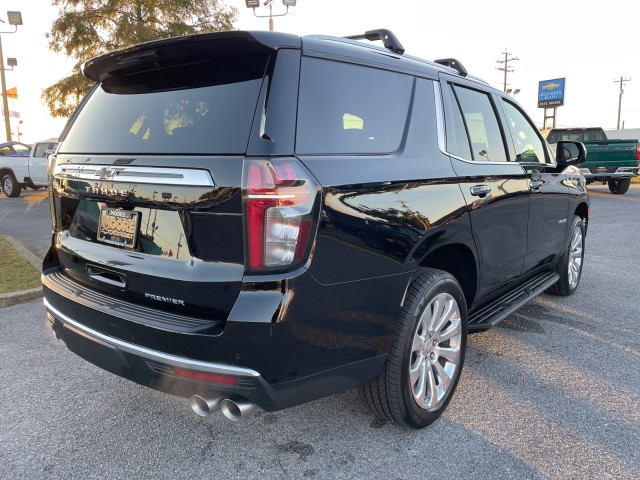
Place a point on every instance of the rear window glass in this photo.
(205, 108)
(345, 108)
(577, 136)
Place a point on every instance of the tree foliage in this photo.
(86, 28)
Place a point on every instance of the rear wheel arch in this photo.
(458, 260)
(4, 171)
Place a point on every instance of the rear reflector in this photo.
(279, 204)
(205, 377)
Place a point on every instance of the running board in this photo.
(502, 307)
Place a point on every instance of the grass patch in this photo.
(635, 180)
(16, 273)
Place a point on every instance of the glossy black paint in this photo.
(310, 328)
(327, 324)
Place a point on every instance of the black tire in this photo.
(619, 186)
(392, 396)
(570, 265)
(10, 186)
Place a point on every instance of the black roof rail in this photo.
(389, 40)
(455, 64)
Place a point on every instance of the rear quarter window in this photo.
(350, 109)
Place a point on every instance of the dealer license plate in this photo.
(118, 227)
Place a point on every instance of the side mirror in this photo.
(570, 153)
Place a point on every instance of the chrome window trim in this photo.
(132, 174)
(442, 136)
(475, 162)
(442, 142)
(150, 354)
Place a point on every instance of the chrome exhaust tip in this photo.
(205, 406)
(236, 408)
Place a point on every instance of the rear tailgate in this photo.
(170, 238)
(147, 181)
(610, 155)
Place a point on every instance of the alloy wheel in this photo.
(7, 186)
(575, 257)
(435, 352)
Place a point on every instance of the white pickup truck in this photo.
(17, 173)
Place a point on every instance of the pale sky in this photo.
(590, 44)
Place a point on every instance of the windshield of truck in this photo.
(194, 109)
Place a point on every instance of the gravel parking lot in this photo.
(553, 392)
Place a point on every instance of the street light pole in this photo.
(15, 19)
(271, 17)
(269, 3)
(5, 103)
(621, 82)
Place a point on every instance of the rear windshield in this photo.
(577, 136)
(206, 108)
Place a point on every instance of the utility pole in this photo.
(621, 82)
(505, 68)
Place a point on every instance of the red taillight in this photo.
(279, 204)
(638, 151)
(206, 377)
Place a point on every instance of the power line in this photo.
(621, 82)
(505, 68)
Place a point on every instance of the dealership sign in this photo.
(551, 93)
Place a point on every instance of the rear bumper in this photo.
(157, 370)
(623, 172)
(275, 349)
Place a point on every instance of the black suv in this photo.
(256, 218)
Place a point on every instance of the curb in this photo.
(13, 298)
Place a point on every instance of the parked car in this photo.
(26, 171)
(265, 219)
(613, 161)
(15, 149)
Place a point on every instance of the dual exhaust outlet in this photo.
(233, 408)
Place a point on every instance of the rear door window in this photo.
(351, 109)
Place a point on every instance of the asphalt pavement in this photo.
(553, 392)
(26, 218)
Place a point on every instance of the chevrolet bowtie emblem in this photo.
(107, 172)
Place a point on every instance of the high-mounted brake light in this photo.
(279, 205)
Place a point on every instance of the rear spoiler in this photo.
(189, 48)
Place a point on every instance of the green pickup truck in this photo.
(611, 161)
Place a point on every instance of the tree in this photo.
(86, 28)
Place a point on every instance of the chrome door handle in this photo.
(104, 276)
(536, 184)
(480, 190)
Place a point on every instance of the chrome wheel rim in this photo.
(435, 352)
(7, 186)
(575, 257)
